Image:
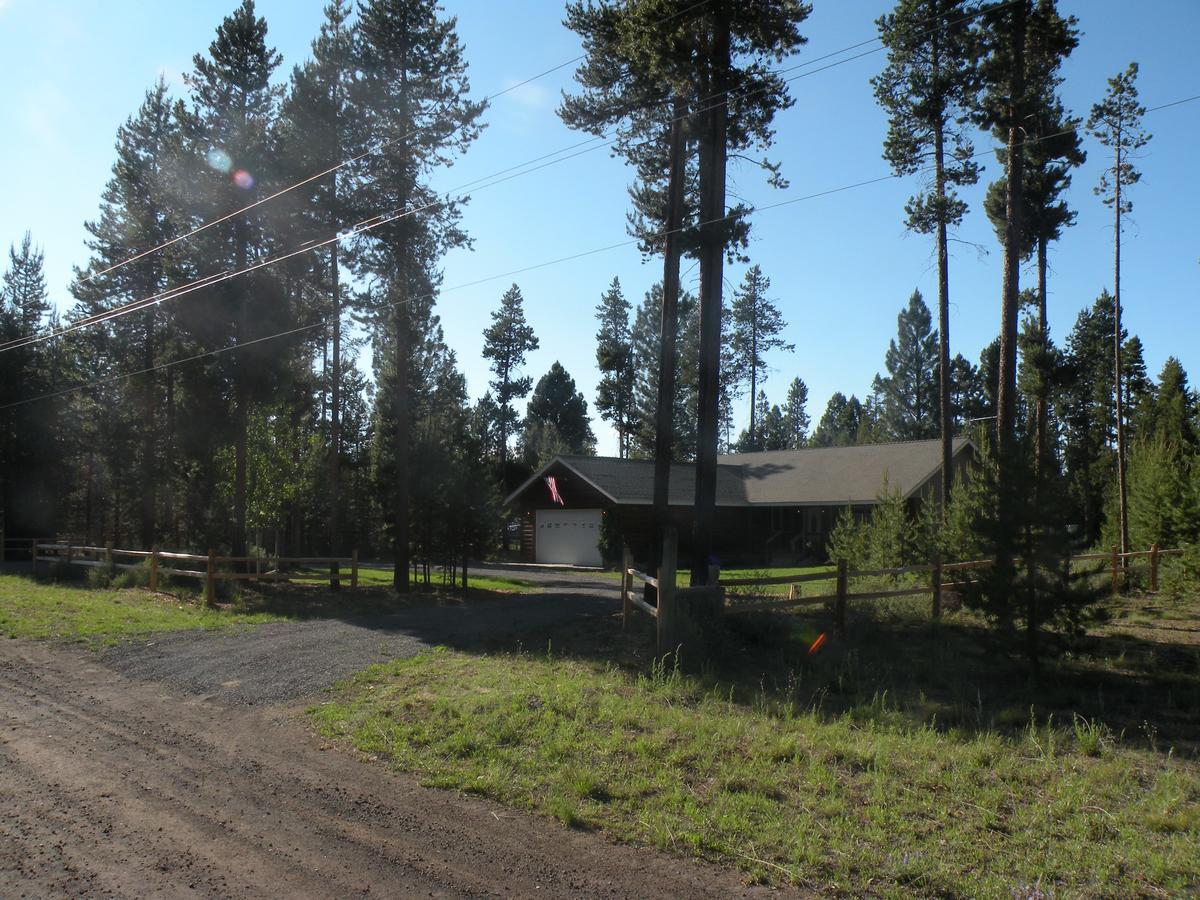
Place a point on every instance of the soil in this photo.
(136, 773)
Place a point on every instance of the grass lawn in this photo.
(73, 611)
(31, 609)
(901, 760)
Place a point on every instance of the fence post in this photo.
(937, 586)
(1, 545)
(626, 588)
(1154, 568)
(354, 568)
(210, 593)
(154, 568)
(1116, 572)
(667, 625)
(839, 607)
(108, 557)
(335, 580)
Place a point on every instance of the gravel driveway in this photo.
(284, 661)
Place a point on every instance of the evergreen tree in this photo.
(1052, 147)
(614, 358)
(639, 56)
(927, 89)
(1116, 122)
(795, 416)
(777, 433)
(970, 396)
(506, 342)
(1087, 413)
(1170, 412)
(314, 133)
(409, 107)
(28, 435)
(1024, 45)
(556, 402)
(228, 145)
(755, 328)
(840, 423)
(136, 215)
(909, 393)
(644, 337)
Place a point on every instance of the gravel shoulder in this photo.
(179, 766)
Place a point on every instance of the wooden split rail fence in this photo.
(842, 575)
(163, 562)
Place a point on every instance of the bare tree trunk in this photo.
(665, 419)
(713, 152)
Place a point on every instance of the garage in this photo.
(568, 537)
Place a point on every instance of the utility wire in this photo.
(385, 218)
(167, 365)
(346, 162)
(553, 262)
(350, 161)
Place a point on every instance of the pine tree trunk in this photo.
(400, 576)
(944, 374)
(335, 412)
(169, 461)
(241, 417)
(753, 375)
(400, 548)
(713, 152)
(667, 357)
(1006, 394)
(1042, 408)
(1121, 472)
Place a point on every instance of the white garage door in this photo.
(568, 536)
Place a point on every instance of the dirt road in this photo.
(111, 785)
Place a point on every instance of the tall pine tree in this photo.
(1116, 122)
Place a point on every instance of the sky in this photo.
(841, 265)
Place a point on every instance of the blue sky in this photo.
(841, 266)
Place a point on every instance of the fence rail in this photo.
(107, 556)
(1117, 561)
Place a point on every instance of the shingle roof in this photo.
(632, 480)
(827, 475)
(813, 476)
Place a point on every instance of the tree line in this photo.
(226, 439)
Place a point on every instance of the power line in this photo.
(546, 264)
(167, 365)
(338, 166)
(383, 218)
(346, 162)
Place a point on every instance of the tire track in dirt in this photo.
(130, 788)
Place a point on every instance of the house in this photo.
(774, 507)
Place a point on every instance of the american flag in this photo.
(554, 494)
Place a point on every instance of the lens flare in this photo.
(243, 179)
(817, 644)
(218, 159)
